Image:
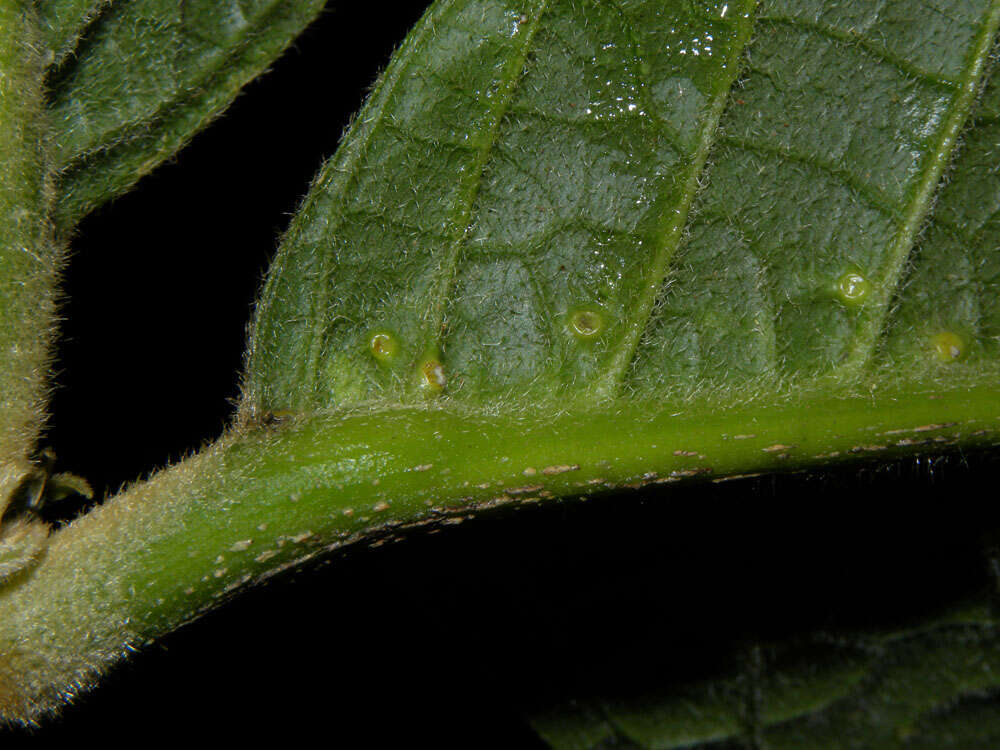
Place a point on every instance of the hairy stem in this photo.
(267, 498)
(29, 259)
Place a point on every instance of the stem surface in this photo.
(29, 259)
(267, 498)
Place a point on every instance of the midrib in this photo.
(670, 235)
(920, 203)
(345, 170)
(462, 214)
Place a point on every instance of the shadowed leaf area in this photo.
(133, 81)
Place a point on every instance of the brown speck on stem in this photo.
(524, 490)
(560, 469)
(777, 448)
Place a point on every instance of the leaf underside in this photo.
(143, 77)
(738, 199)
(561, 205)
(63, 22)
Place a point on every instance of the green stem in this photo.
(29, 260)
(264, 499)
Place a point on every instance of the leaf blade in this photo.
(504, 332)
(910, 686)
(396, 220)
(150, 75)
(63, 23)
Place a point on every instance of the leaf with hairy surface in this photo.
(727, 237)
(63, 23)
(573, 246)
(148, 75)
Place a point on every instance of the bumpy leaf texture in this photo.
(573, 201)
(137, 78)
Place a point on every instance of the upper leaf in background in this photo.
(509, 218)
(147, 75)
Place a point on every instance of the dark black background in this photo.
(441, 638)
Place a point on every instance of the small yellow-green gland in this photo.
(586, 325)
(948, 346)
(384, 347)
(432, 375)
(853, 288)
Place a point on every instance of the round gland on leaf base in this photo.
(384, 347)
(432, 375)
(949, 346)
(853, 288)
(587, 323)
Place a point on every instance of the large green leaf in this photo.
(673, 207)
(147, 76)
(528, 169)
(568, 246)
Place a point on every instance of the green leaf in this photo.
(718, 211)
(148, 75)
(569, 246)
(63, 22)
(526, 168)
(919, 686)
